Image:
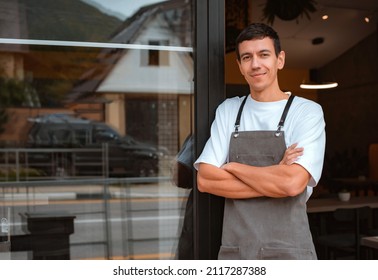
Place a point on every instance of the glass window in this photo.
(95, 103)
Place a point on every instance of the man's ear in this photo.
(240, 68)
(281, 60)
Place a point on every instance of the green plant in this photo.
(15, 93)
(287, 9)
(11, 174)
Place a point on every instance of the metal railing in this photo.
(24, 164)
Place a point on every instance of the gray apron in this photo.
(264, 227)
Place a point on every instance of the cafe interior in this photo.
(332, 57)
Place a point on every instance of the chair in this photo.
(373, 231)
(344, 227)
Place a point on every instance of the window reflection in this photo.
(93, 110)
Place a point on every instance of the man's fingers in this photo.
(292, 154)
(292, 146)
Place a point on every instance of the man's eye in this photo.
(246, 58)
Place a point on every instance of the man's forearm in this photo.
(272, 181)
(217, 181)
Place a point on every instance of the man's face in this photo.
(259, 63)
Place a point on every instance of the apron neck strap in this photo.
(280, 124)
(284, 114)
(237, 122)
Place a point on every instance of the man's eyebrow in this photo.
(260, 51)
(244, 53)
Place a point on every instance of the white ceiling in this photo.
(344, 29)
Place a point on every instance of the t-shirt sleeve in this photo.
(216, 148)
(309, 133)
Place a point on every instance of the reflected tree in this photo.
(15, 93)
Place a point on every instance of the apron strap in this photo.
(237, 122)
(280, 124)
(284, 114)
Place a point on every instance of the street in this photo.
(133, 221)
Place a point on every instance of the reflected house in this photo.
(146, 85)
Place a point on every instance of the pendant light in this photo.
(315, 83)
(318, 85)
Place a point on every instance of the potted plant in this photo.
(344, 195)
(288, 9)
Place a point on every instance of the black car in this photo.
(62, 144)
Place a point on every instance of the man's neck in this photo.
(269, 96)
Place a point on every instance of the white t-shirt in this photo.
(304, 125)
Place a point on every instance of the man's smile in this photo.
(257, 74)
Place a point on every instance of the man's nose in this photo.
(255, 62)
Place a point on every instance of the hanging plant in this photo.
(287, 9)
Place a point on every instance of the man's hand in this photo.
(292, 153)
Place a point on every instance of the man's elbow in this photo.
(201, 184)
(204, 177)
(295, 187)
(294, 191)
(295, 181)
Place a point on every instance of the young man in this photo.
(265, 209)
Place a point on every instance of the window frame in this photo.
(209, 52)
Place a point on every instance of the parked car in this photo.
(65, 145)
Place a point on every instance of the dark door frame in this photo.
(209, 52)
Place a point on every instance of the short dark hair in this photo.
(258, 31)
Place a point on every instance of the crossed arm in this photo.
(238, 181)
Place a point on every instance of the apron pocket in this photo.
(257, 160)
(286, 254)
(229, 253)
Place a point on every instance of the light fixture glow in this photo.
(324, 17)
(319, 86)
(367, 19)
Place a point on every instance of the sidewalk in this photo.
(53, 191)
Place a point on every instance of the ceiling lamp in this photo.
(315, 82)
(318, 85)
(317, 41)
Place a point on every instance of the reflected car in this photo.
(64, 145)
